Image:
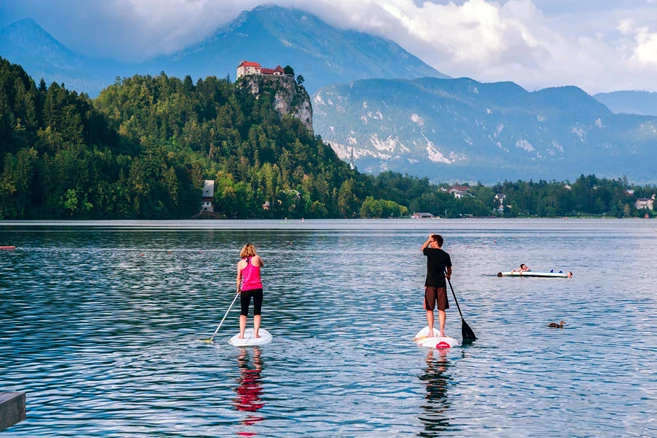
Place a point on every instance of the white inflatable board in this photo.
(423, 339)
(249, 340)
(533, 274)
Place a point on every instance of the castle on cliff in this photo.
(247, 68)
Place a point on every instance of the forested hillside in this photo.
(142, 149)
(221, 129)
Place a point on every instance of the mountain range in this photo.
(270, 35)
(630, 102)
(323, 54)
(27, 44)
(461, 129)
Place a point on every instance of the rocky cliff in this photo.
(288, 96)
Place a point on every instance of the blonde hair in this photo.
(248, 251)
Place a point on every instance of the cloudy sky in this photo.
(599, 45)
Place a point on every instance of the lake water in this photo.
(101, 323)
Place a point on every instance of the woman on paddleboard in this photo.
(249, 285)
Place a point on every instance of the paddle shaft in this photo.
(227, 311)
(454, 295)
(466, 331)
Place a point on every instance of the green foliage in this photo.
(372, 208)
(588, 195)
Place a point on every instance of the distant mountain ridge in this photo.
(630, 102)
(270, 35)
(461, 129)
(273, 35)
(26, 43)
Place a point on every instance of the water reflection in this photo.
(105, 340)
(434, 415)
(249, 388)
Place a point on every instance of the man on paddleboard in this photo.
(439, 267)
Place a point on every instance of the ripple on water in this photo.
(102, 326)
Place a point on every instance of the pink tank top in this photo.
(251, 276)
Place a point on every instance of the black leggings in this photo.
(245, 300)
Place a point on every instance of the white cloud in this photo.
(599, 45)
(644, 49)
(598, 49)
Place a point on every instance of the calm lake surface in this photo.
(102, 322)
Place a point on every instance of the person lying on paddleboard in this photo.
(523, 268)
(249, 285)
(439, 267)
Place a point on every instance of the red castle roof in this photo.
(270, 71)
(249, 64)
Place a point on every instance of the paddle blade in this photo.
(467, 333)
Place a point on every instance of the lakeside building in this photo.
(248, 68)
(207, 199)
(459, 191)
(500, 197)
(422, 216)
(645, 203)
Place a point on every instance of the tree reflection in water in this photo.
(249, 388)
(434, 415)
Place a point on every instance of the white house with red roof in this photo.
(247, 68)
(459, 191)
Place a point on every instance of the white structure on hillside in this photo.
(207, 199)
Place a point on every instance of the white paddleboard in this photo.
(423, 339)
(249, 340)
(533, 274)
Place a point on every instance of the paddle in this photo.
(466, 331)
(222, 321)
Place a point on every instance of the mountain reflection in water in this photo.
(249, 388)
(434, 415)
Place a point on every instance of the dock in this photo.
(12, 409)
